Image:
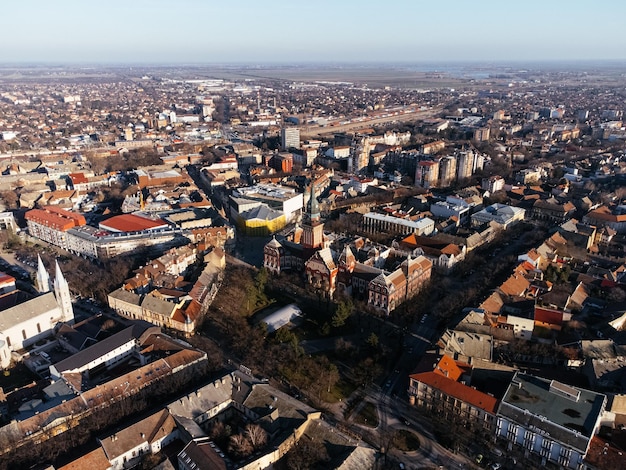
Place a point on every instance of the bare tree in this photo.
(239, 446)
(256, 435)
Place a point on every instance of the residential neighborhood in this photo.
(205, 268)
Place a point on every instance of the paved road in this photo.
(395, 414)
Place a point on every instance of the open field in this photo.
(410, 76)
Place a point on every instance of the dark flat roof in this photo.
(99, 349)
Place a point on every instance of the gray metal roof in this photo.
(567, 414)
(101, 348)
(28, 310)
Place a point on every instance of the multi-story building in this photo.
(140, 298)
(282, 162)
(492, 184)
(445, 210)
(27, 322)
(433, 147)
(447, 171)
(482, 134)
(552, 210)
(290, 138)
(610, 217)
(468, 163)
(376, 222)
(52, 223)
(501, 214)
(549, 420)
(321, 272)
(388, 290)
(444, 256)
(7, 222)
(280, 198)
(442, 392)
(427, 174)
(303, 242)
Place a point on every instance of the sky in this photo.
(317, 31)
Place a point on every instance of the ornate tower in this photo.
(312, 227)
(62, 294)
(42, 280)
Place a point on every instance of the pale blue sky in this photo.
(257, 31)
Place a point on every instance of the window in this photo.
(8, 341)
(529, 440)
(546, 448)
(511, 433)
(24, 334)
(38, 328)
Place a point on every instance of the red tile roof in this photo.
(548, 316)
(458, 390)
(131, 223)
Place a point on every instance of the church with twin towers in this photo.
(26, 319)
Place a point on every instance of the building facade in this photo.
(551, 421)
(290, 138)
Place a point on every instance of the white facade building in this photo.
(290, 138)
(375, 221)
(28, 322)
(501, 214)
(549, 419)
(280, 198)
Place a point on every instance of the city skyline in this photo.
(280, 32)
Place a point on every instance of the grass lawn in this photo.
(342, 390)
(405, 441)
(367, 415)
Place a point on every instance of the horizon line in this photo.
(333, 63)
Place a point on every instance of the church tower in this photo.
(312, 227)
(62, 294)
(42, 280)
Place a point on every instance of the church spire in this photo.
(42, 280)
(62, 294)
(312, 228)
(313, 207)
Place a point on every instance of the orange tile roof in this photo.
(493, 303)
(533, 254)
(94, 460)
(55, 217)
(78, 178)
(516, 285)
(457, 390)
(450, 368)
